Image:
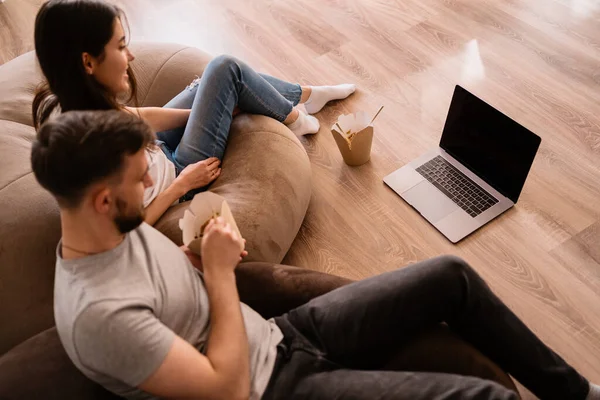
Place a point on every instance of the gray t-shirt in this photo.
(117, 313)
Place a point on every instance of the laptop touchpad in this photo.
(429, 201)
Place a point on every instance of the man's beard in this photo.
(126, 222)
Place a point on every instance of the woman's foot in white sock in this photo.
(320, 95)
(304, 125)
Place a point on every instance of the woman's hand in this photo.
(199, 174)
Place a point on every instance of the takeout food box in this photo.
(202, 209)
(353, 135)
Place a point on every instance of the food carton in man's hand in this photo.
(204, 207)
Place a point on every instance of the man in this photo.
(135, 315)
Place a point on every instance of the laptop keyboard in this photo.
(459, 188)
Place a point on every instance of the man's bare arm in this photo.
(224, 373)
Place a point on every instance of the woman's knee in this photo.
(223, 64)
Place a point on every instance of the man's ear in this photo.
(103, 200)
(89, 63)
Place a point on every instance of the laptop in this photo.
(476, 173)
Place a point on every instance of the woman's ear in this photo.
(88, 63)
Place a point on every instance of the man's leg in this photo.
(393, 385)
(360, 325)
(301, 372)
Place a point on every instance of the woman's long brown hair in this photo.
(64, 30)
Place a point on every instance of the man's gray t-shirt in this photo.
(117, 313)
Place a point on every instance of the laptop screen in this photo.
(496, 148)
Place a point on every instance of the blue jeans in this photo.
(225, 84)
(334, 345)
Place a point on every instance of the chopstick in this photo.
(381, 108)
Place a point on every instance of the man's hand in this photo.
(194, 258)
(221, 246)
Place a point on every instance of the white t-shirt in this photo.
(162, 172)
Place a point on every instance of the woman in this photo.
(82, 50)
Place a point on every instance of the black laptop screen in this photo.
(496, 148)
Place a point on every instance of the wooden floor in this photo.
(536, 60)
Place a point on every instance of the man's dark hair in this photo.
(79, 148)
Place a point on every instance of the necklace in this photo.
(79, 251)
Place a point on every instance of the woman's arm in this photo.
(161, 119)
(193, 176)
(163, 201)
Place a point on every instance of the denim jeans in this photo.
(225, 84)
(334, 344)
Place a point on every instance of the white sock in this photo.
(594, 393)
(320, 95)
(304, 125)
